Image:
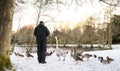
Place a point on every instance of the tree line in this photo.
(86, 34)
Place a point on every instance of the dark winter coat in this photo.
(41, 32)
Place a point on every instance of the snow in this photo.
(53, 64)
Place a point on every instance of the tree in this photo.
(111, 4)
(6, 15)
(88, 34)
(115, 22)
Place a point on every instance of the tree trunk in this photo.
(110, 36)
(6, 16)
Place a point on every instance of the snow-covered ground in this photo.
(53, 64)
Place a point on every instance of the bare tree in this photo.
(111, 5)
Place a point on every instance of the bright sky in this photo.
(72, 15)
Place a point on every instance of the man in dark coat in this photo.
(41, 33)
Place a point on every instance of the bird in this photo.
(21, 55)
(18, 54)
(59, 52)
(49, 54)
(99, 57)
(95, 56)
(15, 53)
(75, 56)
(28, 54)
(12, 49)
(87, 56)
(103, 61)
(79, 53)
(109, 59)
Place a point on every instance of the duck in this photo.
(99, 57)
(103, 61)
(109, 59)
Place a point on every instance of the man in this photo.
(41, 33)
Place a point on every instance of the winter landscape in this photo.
(70, 29)
(54, 64)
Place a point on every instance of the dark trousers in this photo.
(41, 51)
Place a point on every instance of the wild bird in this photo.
(49, 54)
(103, 60)
(59, 52)
(75, 56)
(79, 53)
(87, 56)
(99, 57)
(15, 53)
(18, 54)
(12, 49)
(21, 55)
(109, 59)
(28, 54)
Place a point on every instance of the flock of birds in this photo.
(79, 56)
(27, 54)
(74, 53)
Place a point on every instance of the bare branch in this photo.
(78, 2)
(111, 4)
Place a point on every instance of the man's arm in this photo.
(35, 32)
(47, 32)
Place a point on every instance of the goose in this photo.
(28, 54)
(18, 54)
(79, 53)
(12, 49)
(15, 53)
(49, 54)
(75, 56)
(87, 56)
(21, 55)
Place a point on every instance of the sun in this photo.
(80, 15)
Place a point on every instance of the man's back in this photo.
(41, 32)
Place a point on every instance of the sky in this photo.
(71, 15)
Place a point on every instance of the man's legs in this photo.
(43, 55)
(39, 52)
